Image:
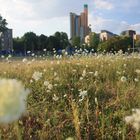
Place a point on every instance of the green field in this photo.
(80, 98)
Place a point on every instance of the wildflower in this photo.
(137, 71)
(70, 138)
(123, 79)
(90, 72)
(136, 80)
(2, 56)
(32, 54)
(24, 60)
(37, 75)
(55, 98)
(50, 86)
(96, 101)
(44, 50)
(96, 73)
(33, 60)
(46, 83)
(58, 62)
(84, 73)
(12, 100)
(134, 119)
(74, 70)
(124, 65)
(55, 73)
(83, 94)
(28, 52)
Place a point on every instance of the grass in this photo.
(99, 115)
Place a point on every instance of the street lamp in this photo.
(133, 43)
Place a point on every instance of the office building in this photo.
(129, 33)
(105, 35)
(79, 24)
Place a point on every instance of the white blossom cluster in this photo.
(12, 100)
(134, 119)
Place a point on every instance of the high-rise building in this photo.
(79, 24)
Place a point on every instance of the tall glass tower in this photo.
(79, 24)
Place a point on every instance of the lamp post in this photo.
(133, 43)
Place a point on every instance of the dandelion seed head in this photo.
(12, 100)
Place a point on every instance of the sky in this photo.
(48, 16)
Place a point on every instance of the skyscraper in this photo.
(79, 24)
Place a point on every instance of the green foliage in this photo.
(76, 41)
(137, 44)
(3, 24)
(31, 42)
(94, 41)
(115, 44)
(63, 39)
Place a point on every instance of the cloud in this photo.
(103, 4)
(99, 23)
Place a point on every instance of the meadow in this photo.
(77, 98)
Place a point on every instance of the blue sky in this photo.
(48, 16)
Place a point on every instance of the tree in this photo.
(94, 41)
(42, 42)
(30, 41)
(18, 46)
(76, 41)
(63, 39)
(3, 24)
(115, 44)
(137, 44)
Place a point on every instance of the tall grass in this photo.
(112, 83)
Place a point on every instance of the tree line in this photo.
(30, 42)
(114, 44)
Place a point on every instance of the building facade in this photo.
(79, 24)
(6, 41)
(129, 33)
(105, 35)
(136, 37)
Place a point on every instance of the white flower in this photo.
(137, 71)
(96, 73)
(84, 73)
(124, 65)
(46, 83)
(55, 98)
(96, 101)
(12, 100)
(90, 72)
(32, 54)
(83, 94)
(50, 86)
(28, 52)
(123, 79)
(70, 138)
(37, 75)
(24, 60)
(136, 80)
(134, 119)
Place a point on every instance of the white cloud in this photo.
(103, 4)
(98, 23)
